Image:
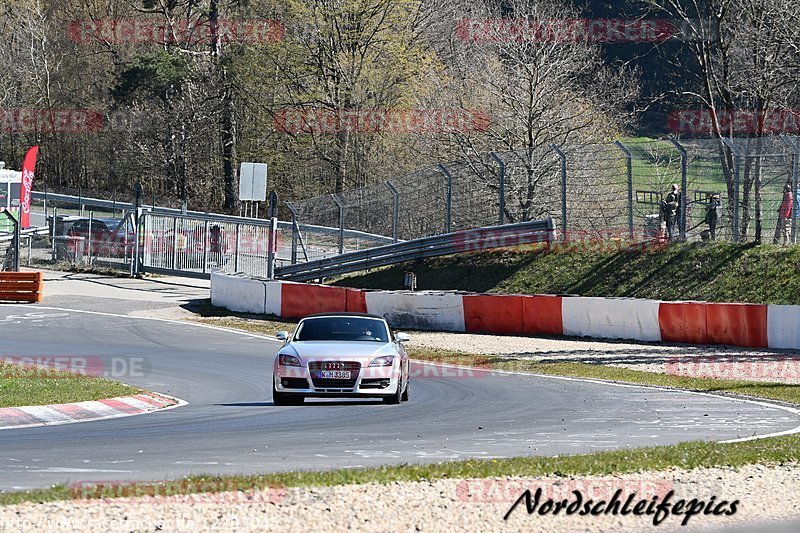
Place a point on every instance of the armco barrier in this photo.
(611, 318)
(683, 322)
(21, 286)
(749, 325)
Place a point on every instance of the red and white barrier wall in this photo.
(751, 325)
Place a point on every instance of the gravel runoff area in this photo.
(767, 497)
(723, 362)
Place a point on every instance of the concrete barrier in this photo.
(273, 304)
(542, 315)
(783, 326)
(301, 299)
(750, 325)
(683, 322)
(737, 324)
(438, 311)
(611, 318)
(493, 313)
(237, 292)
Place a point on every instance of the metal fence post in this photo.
(89, 235)
(80, 200)
(735, 223)
(236, 248)
(395, 211)
(53, 232)
(341, 222)
(629, 176)
(175, 243)
(502, 187)
(138, 222)
(448, 203)
(295, 231)
(563, 158)
(684, 184)
(125, 243)
(14, 240)
(795, 178)
(271, 243)
(205, 246)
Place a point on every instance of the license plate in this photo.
(333, 374)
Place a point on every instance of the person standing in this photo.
(784, 228)
(712, 215)
(671, 211)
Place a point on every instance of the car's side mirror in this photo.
(282, 336)
(403, 337)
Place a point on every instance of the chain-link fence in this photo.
(733, 190)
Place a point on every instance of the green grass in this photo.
(260, 324)
(777, 450)
(754, 389)
(714, 272)
(26, 385)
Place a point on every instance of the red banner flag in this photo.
(26, 187)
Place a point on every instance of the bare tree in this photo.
(538, 89)
(746, 59)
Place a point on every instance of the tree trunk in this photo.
(229, 144)
(228, 130)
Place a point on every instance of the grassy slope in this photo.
(693, 271)
(21, 386)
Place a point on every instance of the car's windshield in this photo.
(342, 329)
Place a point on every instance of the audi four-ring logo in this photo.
(334, 366)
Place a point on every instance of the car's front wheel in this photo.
(280, 398)
(397, 397)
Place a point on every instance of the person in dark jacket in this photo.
(671, 204)
(712, 215)
(784, 228)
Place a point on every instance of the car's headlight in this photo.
(386, 360)
(288, 360)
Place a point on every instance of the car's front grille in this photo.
(327, 383)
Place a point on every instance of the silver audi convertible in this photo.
(345, 355)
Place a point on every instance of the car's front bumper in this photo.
(370, 382)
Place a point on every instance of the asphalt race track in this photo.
(231, 426)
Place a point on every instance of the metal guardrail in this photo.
(6, 236)
(462, 241)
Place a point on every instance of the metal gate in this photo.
(189, 245)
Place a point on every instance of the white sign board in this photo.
(10, 176)
(253, 182)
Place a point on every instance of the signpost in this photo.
(252, 186)
(272, 239)
(10, 181)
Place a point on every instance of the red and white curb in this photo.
(68, 413)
